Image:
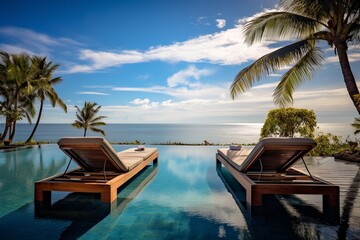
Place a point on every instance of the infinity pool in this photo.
(184, 196)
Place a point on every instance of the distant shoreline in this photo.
(166, 134)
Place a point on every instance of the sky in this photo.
(163, 61)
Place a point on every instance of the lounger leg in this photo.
(46, 196)
(109, 195)
(42, 199)
(331, 207)
(331, 199)
(41, 195)
(253, 198)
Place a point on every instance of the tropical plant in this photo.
(327, 145)
(287, 122)
(356, 125)
(87, 119)
(43, 76)
(16, 90)
(337, 22)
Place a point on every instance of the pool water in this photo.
(184, 196)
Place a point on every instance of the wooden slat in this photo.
(255, 190)
(107, 189)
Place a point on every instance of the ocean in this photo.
(241, 133)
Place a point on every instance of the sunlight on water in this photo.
(244, 133)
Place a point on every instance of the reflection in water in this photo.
(285, 217)
(186, 200)
(349, 205)
(175, 207)
(73, 215)
(19, 169)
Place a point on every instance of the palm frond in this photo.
(268, 64)
(77, 124)
(317, 8)
(301, 71)
(96, 119)
(96, 124)
(355, 34)
(279, 25)
(357, 100)
(98, 130)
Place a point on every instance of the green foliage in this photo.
(306, 24)
(23, 79)
(356, 125)
(87, 118)
(289, 122)
(328, 144)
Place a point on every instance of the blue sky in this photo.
(162, 61)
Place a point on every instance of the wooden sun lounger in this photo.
(102, 170)
(267, 169)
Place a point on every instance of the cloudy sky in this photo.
(162, 61)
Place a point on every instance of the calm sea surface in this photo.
(164, 133)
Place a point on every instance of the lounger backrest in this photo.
(276, 154)
(90, 153)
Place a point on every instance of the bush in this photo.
(288, 122)
(328, 144)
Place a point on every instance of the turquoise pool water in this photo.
(184, 196)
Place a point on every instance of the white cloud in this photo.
(212, 104)
(220, 23)
(92, 93)
(139, 101)
(15, 49)
(353, 57)
(39, 43)
(225, 48)
(183, 77)
(202, 20)
(167, 103)
(266, 85)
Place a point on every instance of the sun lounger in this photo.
(267, 169)
(101, 169)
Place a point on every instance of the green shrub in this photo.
(328, 144)
(288, 122)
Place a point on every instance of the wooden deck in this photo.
(94, 182)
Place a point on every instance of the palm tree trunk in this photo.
(6, 129)
(13, 129)
(37, 121)
(85, 132)
(348, 75)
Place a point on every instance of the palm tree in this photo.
(336, 22)
(356, 125)
(16, 89)
(44, 81)
(87, 119)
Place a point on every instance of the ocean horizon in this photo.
(151, 133)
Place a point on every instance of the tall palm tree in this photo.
(16, 89)
(337, 22)
(44, 81)
(356, 125)
(87, 119)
